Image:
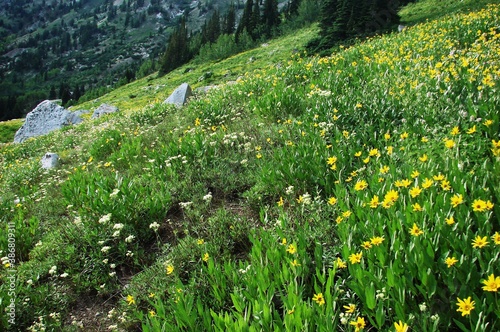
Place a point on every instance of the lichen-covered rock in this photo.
(180, 95)
(46, 117)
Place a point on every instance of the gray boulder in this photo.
(180, 95)
(50, 160)
(104, 109)
(46, 117)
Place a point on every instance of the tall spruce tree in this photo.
(270, 16)
(246, 20)
(177, 51)
(229, 21)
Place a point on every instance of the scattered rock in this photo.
(401, 27)
(205, 76)
(180, 95)
(50, 160)
(104, 109)
(46, 117)
(204, 89)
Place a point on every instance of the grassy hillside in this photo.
(345, 193)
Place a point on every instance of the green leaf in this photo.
(370, 296)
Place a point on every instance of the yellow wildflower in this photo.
(130, 300)
(415, 231)
(400, 326)
(355, 258)
(450, 261)
(450, 221)
(479, 242)
(292, 248)
(319, 299)
(340, 263)
(360, 185)
(465, 306)
(350, 308)
(377, 240)
(492, 284)
(359, 324)
(456, 200)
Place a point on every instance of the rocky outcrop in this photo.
(180, 95)
(46, 117)
(104, 109)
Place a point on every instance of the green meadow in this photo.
(353, 192)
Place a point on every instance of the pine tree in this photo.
(245, 21)
(270, 16)
(229, 21)
(177, 51)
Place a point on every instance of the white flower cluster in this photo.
(154, 226)
(104, 219)
(208, 197)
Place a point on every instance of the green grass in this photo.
(355, 190)
(153, 89)
(423, 10)
(8, 130)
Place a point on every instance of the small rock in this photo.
(50, 160)
(180, 95)
(104, 109)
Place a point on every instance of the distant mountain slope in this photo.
(66, 47)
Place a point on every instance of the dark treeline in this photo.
(341, 20)
(220, 36)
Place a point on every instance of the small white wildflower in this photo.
(112, 266)
(129, 238)
(64, 275)
(154, 226)
(244, 161)
(118, 226)
(112, 274)
(129, 253)
(114, 193)
(53, 270)
(105, 261)
(435, 317)
(104, 219)
(112, 327)
(423, 307)
(185, 204)
(77, 221)
(38, 244)
(100, 242)
(289, 190)
(116, 234)
(29, 282)
(105, 249)
(207, 197)
(306, 198)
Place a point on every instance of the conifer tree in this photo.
(229, 21)
(177, 52)
(270, 16)
(245, 21)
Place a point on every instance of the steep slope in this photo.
(358, 190)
